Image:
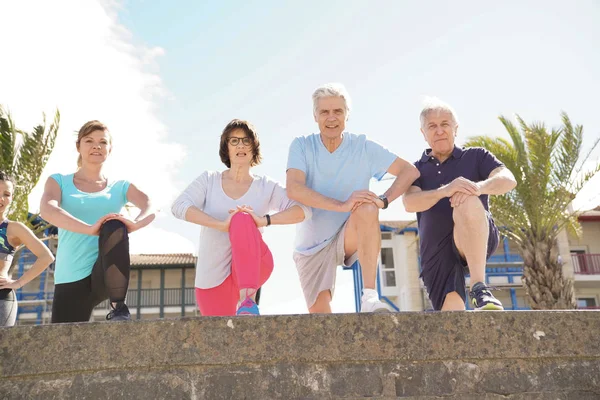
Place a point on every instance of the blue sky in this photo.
(260, 60)
(167, 77)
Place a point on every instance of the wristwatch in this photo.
(385, 201)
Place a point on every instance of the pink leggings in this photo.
(251, 266)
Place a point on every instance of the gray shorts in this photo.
(317, 271)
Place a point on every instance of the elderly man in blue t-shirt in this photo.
(456, 229)
(330, 172)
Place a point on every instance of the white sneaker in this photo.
(374, 305)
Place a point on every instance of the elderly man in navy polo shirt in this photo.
(451, 201)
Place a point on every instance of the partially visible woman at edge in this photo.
(92, 260)
(232, 207)
(12, 235)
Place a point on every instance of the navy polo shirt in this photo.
(436, 224)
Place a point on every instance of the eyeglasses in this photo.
(234, 140)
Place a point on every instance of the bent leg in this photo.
(363, 235)
(471, 231)
(110, 275)
(252, 261)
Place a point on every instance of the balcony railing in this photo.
(586, 264)
(152, 298)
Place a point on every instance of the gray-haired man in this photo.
(330, 172)
(450, 198)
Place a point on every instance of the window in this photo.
(586, 302)
(388, 271)
(386, 235)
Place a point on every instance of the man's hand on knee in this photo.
(356, 199)
(459, 198)
(462, 185)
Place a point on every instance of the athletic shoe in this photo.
(248, 307)
(483, 299)
(119, 313)
(374, 305)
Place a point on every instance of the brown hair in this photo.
(252, 134)
(4, 176)
(87, 129)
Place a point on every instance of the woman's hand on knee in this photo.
(259, 221)
(224, 227)
(94, 229)
(131, 225)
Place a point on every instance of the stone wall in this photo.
(460, 355)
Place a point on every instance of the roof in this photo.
(159, 260)
(399, 224)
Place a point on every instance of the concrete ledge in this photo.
(490, 355)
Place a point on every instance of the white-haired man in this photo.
(457, 232)
(330, 172)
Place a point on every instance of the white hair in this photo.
(331, 90)
(434, 104)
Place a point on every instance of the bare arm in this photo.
(51, 211)
(298, 191)
(141, 201)
(405, 174)
(417, 200)
(500, 181)
(44, 256)
(292, 215)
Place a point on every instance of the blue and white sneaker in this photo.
(248, 307)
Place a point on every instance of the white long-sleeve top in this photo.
(206, 193)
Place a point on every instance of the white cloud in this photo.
(74, 55)
(155, 240)
(589, 196)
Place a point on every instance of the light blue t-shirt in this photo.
(77, 252)
(336, 175)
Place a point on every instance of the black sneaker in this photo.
(483, 299)
(119, 313)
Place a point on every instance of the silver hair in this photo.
(331, 90)
(434, 104)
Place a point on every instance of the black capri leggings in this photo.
(75, 301)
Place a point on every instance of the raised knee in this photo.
(241, 218)
(112, 225)
(367, 211)
(470, 208)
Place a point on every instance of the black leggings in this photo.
(75, 301)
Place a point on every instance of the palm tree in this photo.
(24, 156)
(549, 170)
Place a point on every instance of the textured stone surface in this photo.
(485, 355)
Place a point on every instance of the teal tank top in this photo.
(77, 253)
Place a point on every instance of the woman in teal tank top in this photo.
(12, 235)
(92, 260)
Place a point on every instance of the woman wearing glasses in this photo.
(232, 207)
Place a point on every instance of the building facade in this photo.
(160, 286)
(399, 266)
